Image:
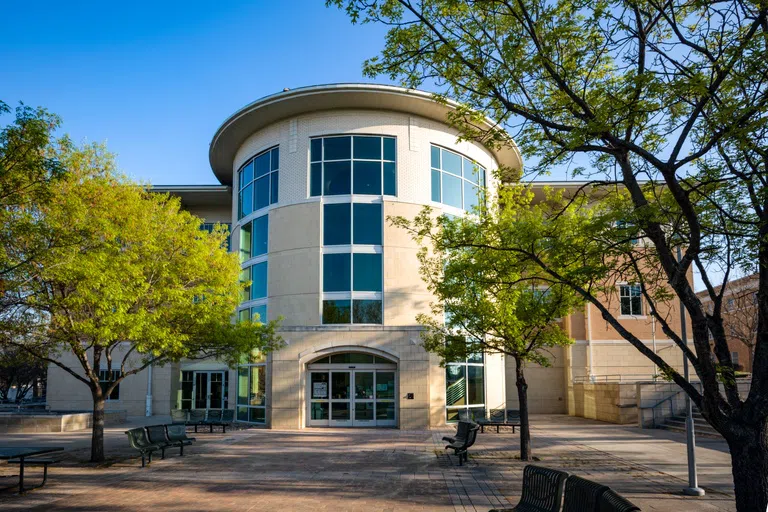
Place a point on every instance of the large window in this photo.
(465, 389)
(258, 180)
(352, 263)
(254, 238)
(358, 164)
(104, 381)
(456, 180)
(631, 300)
(257, 276)
(252, 389)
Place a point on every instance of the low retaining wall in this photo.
(55, 422)
(612, 402)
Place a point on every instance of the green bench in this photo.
(148, 440)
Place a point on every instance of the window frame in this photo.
(103, 382)
(481, 184)
(271, 174)
(466, 364)
(630, 287)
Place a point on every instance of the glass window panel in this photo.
(475, 388)
(451, 190)
(455, 385)
(259, 313)
(385, 385)
(257, 356)
(435, 157)
(246, 201)
(367, 178)
(275, 159)
(319, 385)
(364, 386)
(470, 196)
(261, 165)
(262, 193)
(336, 178)
(242, 414)
(245, 242)
(243, 315)
(257, 390)
(475, 358)
(315, 150)
(637, 308)
(340, 385)
(470, 171)
(337, 224)
(336, 272)
(319, 410)
(367, 268)
(274, 182)
(367, 223)
(337, 148)
(316, 179)
(390, 179)
(351, 358)
(259, 278)
(364, 411)
(451, 163)
(336, 311)
(257, 415)
(385, 410)
(381, 360)
(366, 311)
(389, 149)
(435, 186)
(246, 174)
(368, 148)
(452, 415)
(242, 385)
(260, 235)
(340, 411)
(245, 277)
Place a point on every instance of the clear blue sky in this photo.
(156, 79)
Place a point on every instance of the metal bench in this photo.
(138, 439)
(612, 502)
(461, 447)
(542, 490)
(157, 436)
(196, 417)
(179, 416)
(461, 432)
(582, 495)
(219, 418)
(177, 435)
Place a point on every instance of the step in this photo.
(710, 432)
(681, 423)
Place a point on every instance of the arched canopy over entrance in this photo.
(352, 389)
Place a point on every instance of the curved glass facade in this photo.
(457, 181)
(258, 180)
(353, 164)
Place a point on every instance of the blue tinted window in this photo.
(451, 163)
(336, 272)
(367, 272)
(435, 157)
(275, 179)
(452, 190)
(246, 175)
(262, 165)
(336, 311)
(246, 201)
(337, 148)
(259, 278)
(367, 148)
(470, 196)
(389, 149)
(316, 180)
(336, 179)
(367, 223)
(367, 178)
(259, 313)
(275, 159)
(262, 193)
(260, 235)
(336, 224)
(366, 312)
(436, 186)
(245, 278)
(245, 242)
(390, 179)
(316, 150)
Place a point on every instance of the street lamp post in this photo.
(693, 488)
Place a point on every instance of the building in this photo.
(739, 312)
(307, 179)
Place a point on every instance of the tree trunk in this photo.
(522, 398)
(97, 435)
(749, 460)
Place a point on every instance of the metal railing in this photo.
(618, 377)
(673, 410)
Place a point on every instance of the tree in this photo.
(663, 103)
(740, 315)
(138, 284)
(19, 371)
(483, 304)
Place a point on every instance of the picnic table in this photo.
(20, 454)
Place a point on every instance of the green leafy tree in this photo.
(486, 303)
(138, 284)
(662, 102)
(22, 372)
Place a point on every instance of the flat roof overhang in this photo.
(270, 109)
(198, 195)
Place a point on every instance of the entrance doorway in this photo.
(352, 394)
(209, 390)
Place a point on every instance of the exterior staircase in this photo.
(676, 423)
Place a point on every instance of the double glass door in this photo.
(209, 390)
(352, 398)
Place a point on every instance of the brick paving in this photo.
(382, 470)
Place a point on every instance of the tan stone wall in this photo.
(546, 385)
(610, 402)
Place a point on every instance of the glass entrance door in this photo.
(352, 398)
(209, 390)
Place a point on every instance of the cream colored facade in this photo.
(294, 287)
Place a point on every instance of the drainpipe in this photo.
(589, 344)
(148, 407)
(653, 338)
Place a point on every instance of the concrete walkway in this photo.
(356, 469)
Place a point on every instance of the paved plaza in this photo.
(373, 470)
